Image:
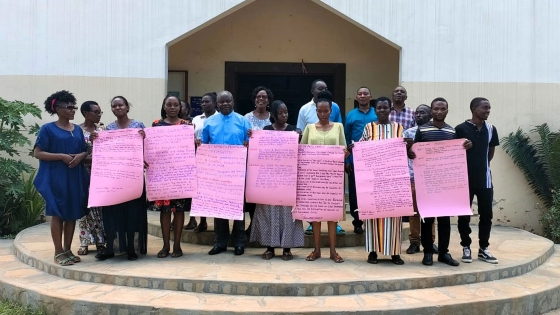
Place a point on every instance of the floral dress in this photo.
(176, 205)
(91, 225)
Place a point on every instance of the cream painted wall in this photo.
(286, 31)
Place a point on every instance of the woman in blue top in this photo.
(62, 179)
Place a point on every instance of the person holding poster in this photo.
(325, 132)
(484, 137)
(273, 226)
(383, 235)
(437, 130)
(356, 120)
(208, 104)
(227, 127)
(91, 225)
(62, 178)
(170, 110)
(128, 218)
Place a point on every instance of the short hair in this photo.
(476, 102)
(325, 96)
(86, 107)
(56, 98)
(163, 113)
(423, 105)
(123, 98)
(274, 108)
(383, 99)
(224, 92)
(314, 83)
(439, 99)
(213, 96)
(363, 87)
(262, 88)
(189, 109)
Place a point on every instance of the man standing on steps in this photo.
(308, 115)
(356, 120)
(437, 130)
(484, 137)
(423, 115)
(227, 127)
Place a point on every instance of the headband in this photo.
(52, 104)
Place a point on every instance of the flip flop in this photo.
(267, 255)
(163, 253)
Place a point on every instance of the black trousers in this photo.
(221, 228)
(353, 199)
(485, 198)
(444, 233)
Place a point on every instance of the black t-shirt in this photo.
(288, 128)
(478, 165)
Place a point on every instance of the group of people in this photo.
(64, 151)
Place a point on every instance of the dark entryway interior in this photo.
(287, 82)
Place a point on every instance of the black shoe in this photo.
(102, 256)
(413, 248)
(132, 256)
(447, 259)
(372, 258)
(358, 230)
(216, 250)
(239, 251)
(436, 249)
(428, 259)
(191, 225)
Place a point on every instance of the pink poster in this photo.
(441, 178)
(272, 168)
(169, 151)
(382, 179)
(221, 181)
(320, 183)
(117, 171)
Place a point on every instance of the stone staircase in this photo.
(525, 282)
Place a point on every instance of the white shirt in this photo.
(308, 115)
(198, 123)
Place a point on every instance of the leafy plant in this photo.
(27, 209)
(551, 220)
(13, 139)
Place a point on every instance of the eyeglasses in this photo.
(69, 107)
(264, 97)
(97, 112)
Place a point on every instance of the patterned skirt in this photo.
(176, 205)
(91, 228)
(384, 235)
(273, 226)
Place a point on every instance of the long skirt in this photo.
(91, 228)
(273, 226)
(384, 235)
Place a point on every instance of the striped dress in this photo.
(383, 235)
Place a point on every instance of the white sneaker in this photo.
(467, 258)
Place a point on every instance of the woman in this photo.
(170, 110)
(185, 112)
(383, 235)
(62, 179)
(273, 225)
(325, 132)
(258, 118)
(91, 225)
(128, 218)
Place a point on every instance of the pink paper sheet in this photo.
(441, 178)
(169, 151)
(382, 179)
(272, 168)
(320, 184)
(117, 171)
(221, 181)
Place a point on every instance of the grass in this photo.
(13, 308)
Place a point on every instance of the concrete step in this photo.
(248, 275)
(535, 292)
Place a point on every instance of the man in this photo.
(437, 130)
(227, 127)
(422, 116)
(356, 120)
(308, 115)
(484, 137)
(400, 113)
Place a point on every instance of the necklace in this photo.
(70, 131)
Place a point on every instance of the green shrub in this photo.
(550, 220)
(13, 308)
(26, 210)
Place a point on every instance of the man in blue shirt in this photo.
(308, 112)
(227, 127)
(356, 120)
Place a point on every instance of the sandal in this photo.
(176, 253)
(163, 253)
(313, 256)
(201, 228)
(396, 259)
(74, 258)
(267, 255)
(340, 231)
(64, 262)
(372, 258)
(84, 250)
(287, 256)
(337, 259)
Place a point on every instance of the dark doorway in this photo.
(286, 81)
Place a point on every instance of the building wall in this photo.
(505, 50)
